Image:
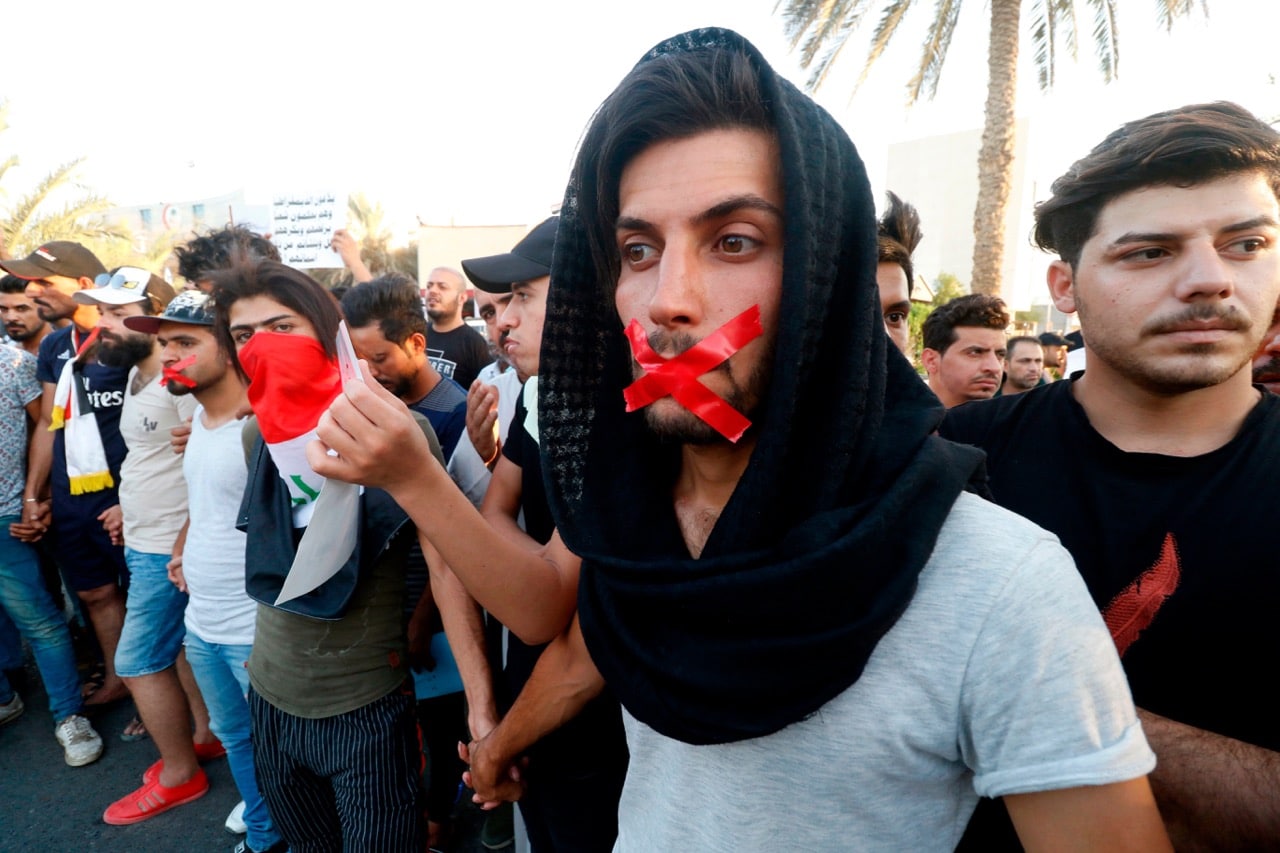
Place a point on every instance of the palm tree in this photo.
(821, 29)
(35, 218)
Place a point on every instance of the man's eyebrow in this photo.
(904, 305)
(747, 201)
(1263, 221)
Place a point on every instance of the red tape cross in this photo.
(173, 374)
(677, 377)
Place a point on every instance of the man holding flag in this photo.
(335, 741)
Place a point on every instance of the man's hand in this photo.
(349, 250)
(482, 420)
(175, 573)
(112, 519)
(26, 531)
(376, 438)
(495, 778)
(179, 436)
(37, 513)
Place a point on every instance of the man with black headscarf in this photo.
(782, 577)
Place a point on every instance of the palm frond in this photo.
(1106, 38)
(889, 22)
(934, 53)
(1053, 27)
(832, 35)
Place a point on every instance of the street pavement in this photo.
(47, 806)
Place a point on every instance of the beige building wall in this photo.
(939, 175)
(447, 245)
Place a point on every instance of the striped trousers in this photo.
(343, 783)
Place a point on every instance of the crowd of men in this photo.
(715, 567)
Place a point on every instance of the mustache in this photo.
(671, 344)
(1227, 316)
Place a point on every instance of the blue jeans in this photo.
(29, 605)
(224, 682)
(153, 618)
(10, 645)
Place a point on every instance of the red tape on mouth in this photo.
(172, 374)
(677, 377)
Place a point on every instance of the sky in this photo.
(470, 113)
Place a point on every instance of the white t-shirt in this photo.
(219, 610)
(465, 465)
(153, 496)
(999, 678)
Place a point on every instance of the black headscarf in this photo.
(817, 552)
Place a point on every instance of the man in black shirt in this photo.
(456, 350)
(1168, 237)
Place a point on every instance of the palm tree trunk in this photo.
(995, 160)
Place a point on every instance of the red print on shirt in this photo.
(1134, 609)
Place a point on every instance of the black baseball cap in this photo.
(528, 259)
(192, 307)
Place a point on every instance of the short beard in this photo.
(1024, 384)
(24, 334)
(400, 388)
(125, 352)
(435, 315)
(1201, 367)
(53, 315)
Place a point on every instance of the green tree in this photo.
(945, 288)
(57, 208)
(822, 28)
(367, 224)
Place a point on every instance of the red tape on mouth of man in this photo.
(677, 376)
(173, 374)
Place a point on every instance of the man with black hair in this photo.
(576, 775)
(25, 601)
(964, 348)
(208, 563)
(334, 737)
(72, 479)
(23, 325)
(1023, 365)
(898, 234)
(388, 330)
(1167, 236)
(1055, 356)
(150, 517)
(781, 574)
(216, 250)
(384, 316)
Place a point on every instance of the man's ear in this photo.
(85, 282)
(417, 343)
(930, 358)
(1061, 281)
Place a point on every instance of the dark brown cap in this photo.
(59, 257)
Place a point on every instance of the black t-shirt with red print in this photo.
(1179, 553)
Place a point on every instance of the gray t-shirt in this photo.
(999, 678)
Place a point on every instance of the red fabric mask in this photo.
(291, 383)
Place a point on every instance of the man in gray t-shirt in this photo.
(819, 640)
